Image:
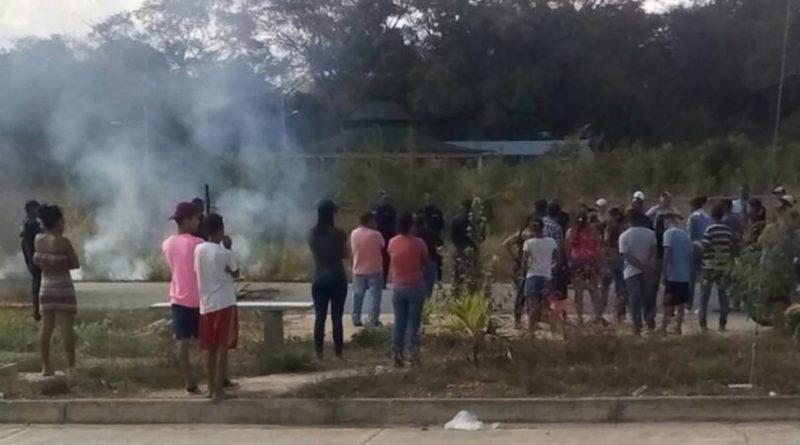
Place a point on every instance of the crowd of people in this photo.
(405, 247)
(636, 249)
(640, 250)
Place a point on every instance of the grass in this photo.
(590, 364)
(128, 353)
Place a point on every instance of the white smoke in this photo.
(126, 172)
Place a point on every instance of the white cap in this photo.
(601, 203)
(639, 195)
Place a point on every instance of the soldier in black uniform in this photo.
(434, 223)
(385, 222)
(30, 228)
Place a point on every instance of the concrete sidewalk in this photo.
(624, 434)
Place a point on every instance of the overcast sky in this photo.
(19, 18)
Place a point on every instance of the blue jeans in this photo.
(709, 280)
(431, 277)
(361, 284)
(642, 301)
(535, 288)
(408, 301)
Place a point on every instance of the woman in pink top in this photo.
(367, 246)
(408, 258)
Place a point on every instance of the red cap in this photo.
(184, 210)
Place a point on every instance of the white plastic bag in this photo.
(466, 421)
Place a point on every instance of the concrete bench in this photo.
(271, 316)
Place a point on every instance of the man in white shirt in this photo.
(637, 245)
(216, 269)
(539, 254)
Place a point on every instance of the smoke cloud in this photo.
(118, 135)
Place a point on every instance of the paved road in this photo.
(624, 434)
(139, 295)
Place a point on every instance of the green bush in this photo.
(293, 357)
(372, 337)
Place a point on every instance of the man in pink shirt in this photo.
(183, 294)
(367, 246)
(408, 258)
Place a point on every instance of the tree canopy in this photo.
(463, 69)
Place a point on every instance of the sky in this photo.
(41, 18)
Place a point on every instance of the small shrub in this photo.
(291, 358)
(371, 338)
(470, 315)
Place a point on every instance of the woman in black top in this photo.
(329, 248)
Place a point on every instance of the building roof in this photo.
(515, 148)
(383, 140)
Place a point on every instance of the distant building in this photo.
(517, 148)
(384, 129)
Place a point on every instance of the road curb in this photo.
(400, 411)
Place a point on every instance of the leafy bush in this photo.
(471, 316)
(290, 358)
(372, 337)
(765, 276)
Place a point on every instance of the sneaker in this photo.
(377, 324)
(358, 324)
(399, 363)
(229, 384)
(722, 328)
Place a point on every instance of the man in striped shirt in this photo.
(718, 244)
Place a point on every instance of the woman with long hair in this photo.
(329, 288)
(584, 254)
(55, 256)
(408, 260)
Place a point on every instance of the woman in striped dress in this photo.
(56, 257)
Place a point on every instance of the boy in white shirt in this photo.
(216, 269)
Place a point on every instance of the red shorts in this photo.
(219, 329)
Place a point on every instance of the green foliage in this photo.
(766, 277)
(434, 306)
(470, 315)
(293, 357)
(591, 364)
(372, 337)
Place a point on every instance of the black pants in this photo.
(438, 260)
(329, 289)
(385, 265)
(36, 284)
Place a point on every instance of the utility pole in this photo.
(779, 103)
